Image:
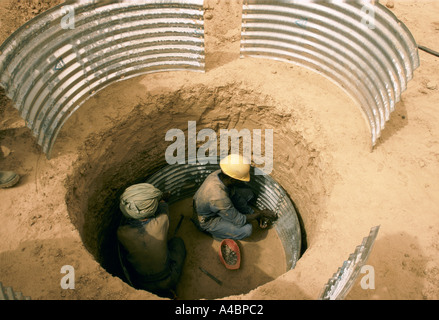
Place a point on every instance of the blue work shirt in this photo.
(214, 199)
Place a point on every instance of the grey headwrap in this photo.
(140, 201)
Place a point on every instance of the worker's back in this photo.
(146, 242)
(211, 191)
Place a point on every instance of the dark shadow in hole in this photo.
(109, 244)
(304, 239)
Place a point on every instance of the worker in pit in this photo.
(154, 263)
(221, 204)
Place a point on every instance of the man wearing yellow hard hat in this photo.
(221, 207)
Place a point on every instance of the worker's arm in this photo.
(240, 198)
(163, 208)
(253, 216)
(226, 210)
(267, 213)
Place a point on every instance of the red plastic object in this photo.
(234, 246)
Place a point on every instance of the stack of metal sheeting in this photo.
(360, 45)
(183, 180)
(55, 62)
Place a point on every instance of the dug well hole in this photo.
(134, 149)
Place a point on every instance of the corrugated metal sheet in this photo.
(49, 71)
(184, 180)
(335, 39)
(342, 281)
(7, 293)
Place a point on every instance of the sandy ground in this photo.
(262, 260)
(396, 186)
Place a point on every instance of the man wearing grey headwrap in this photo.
(154, 263)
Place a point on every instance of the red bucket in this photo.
(230, 254)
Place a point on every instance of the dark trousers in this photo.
(165, 287)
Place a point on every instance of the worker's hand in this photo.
(266, 218)
(268, 214)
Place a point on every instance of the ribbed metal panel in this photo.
(184, 180)
(342, 281)
(7, 293)
(333, 38)
(49, 72)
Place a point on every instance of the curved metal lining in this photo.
(184, 180)
(332, 38)
(49, 72)
(7, 293)
(342, 281)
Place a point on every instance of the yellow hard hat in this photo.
(236, 167)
